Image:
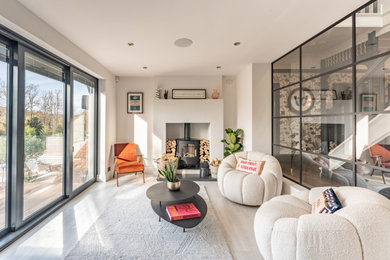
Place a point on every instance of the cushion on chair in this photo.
(125, 166)
(250, 166)
(129, 152)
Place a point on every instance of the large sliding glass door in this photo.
(83, 129)
(43, 133)
(4, 84)
(48, 144)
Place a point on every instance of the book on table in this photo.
(182, 211)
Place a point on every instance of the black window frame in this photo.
(355, 110)
(15, 224)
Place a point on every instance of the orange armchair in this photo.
(127, 160)
(380, 157)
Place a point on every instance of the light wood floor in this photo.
(57, 235)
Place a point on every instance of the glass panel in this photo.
(373, 179)
(286, 70)
(373, 85)
(4, 72)
(319, 170)
(329, 51)
(44, 133)
(372, 38)
(328, 135)
(286, 101)
(286, 132)
(83, 130)
(289, 161)
(373, 139)
(331, 94)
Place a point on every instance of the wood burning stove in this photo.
(187, 150)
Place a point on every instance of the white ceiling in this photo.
(266, 29)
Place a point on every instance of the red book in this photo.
(182, 211)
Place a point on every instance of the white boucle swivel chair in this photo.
(248, 188)
(286, 229)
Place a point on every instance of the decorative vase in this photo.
(215, 94)
(166, 94)
(172, 186)
(214, 171)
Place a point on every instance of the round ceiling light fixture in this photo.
(236, 43)
(145, 68)
(130, 44)
(218, 67)
(183, 42)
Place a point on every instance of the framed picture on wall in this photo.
(135, 102)
(369, 102)
(188, 93)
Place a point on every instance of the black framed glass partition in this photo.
(48, 133)
(331, 105)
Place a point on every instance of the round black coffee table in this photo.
(161, 197)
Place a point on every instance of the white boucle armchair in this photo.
(247, 188)
(285, 228)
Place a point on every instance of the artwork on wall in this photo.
(135, 102)
(307, 100)
(369, 102)
(188, 93)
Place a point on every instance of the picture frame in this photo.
(188, 93)
(135, 102)
(368, 102)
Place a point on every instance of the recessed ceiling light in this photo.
(145, 68)
(218, 67)
(236, 43)
(183, 42)
(130, 43)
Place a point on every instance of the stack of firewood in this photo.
(171, 146)
(204, 150)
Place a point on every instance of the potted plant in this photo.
(233, 141)
(214, 167)
(168, 172)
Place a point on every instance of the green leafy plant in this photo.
(169, 172)
(233, 141)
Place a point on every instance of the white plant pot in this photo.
(214, 171)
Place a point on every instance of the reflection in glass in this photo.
(4, 68)
(329, 51)
(83, 129)
(43, 133)
(286, 101)
(319, 170)
(289, 161)
(286, 132)
(374, 179)
(286, 70)
(373, 85)
(328, 135)
(372, 37)
(332, 93)
(373, 139)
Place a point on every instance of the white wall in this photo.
(229, 102)
(253, 87)
(244, 105)
(128, 124)
(16, 17)
(262, 107)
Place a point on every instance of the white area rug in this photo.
(129, 229)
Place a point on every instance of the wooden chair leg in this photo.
(117, 184)
(143, 176)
